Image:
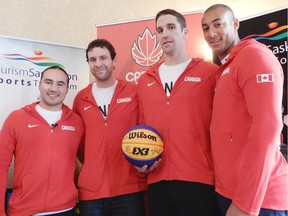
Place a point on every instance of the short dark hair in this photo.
(55, 67)
(179, 16)
(101, 43)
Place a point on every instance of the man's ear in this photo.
(114, 62)
(236, 24)
(186, 32)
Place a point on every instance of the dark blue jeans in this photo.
(224, 203)
(124, 205)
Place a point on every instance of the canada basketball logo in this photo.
(146, 51)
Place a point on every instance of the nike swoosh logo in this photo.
(32, 126)
(86, 108)
(150, 84)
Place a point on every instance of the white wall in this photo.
(73, 22)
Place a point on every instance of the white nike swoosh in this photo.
(32, 126)
(86, 108)
(150, 84)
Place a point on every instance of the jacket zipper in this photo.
(52, 127)
(49, 173)
(168, 100)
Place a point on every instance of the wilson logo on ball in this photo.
(141, 135)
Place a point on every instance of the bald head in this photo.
(227, 10)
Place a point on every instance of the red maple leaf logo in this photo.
(146, 51)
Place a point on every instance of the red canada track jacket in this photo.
(44, 161)
(183, 120)
(105, 171)
(246, 127)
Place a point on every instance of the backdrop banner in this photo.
(21, 64)
(271, 29)
(137, 48)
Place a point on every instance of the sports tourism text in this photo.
(26, 77)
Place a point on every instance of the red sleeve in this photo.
(7, 146)
(260, 80)
(75, 108)
(80, 152)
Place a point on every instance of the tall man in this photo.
(108, 184)
(176, 99)
(44, 139)
(251, 173)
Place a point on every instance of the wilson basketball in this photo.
(142, 145)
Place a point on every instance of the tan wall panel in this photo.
(72, 22)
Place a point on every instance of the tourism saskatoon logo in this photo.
(277, 33)
(146, 51)
(25, 74)
(276, 40)
(38, 59)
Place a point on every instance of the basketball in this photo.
(142, 145)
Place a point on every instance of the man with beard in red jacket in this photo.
(108, 184)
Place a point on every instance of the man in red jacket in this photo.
(251, 172)
(176, 99)
(108, 184)
(44, 139)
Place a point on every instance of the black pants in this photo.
(171, 198)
